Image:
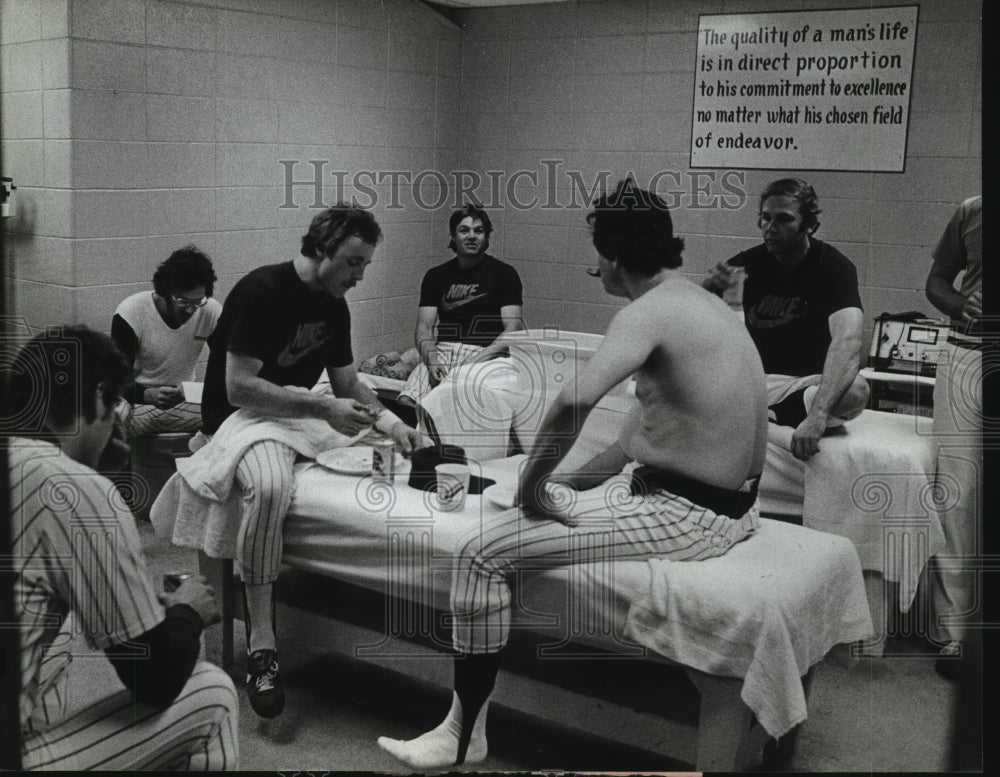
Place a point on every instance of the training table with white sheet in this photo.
(747, 627)
(873, 481)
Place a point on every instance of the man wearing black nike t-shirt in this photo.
(471, 300)
(281, 326)
(802, 309)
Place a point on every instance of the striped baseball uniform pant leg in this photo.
(150, 419)
(418, 383)
(266, 478)
(658, 525)
(199, 731)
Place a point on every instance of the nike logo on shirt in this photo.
(307, 337)
(452, 304)
(774, 310)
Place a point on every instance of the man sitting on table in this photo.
(698, 428)
(803, 310)
(281, 325)
(471, 299)
(162, 334)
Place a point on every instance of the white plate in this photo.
(499, 496)
(354, 460)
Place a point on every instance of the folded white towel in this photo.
(766, 611)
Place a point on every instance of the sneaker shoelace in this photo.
(265, 680)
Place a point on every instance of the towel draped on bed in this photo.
(748, 614)
(872, 482)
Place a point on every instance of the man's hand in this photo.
(719, 278)
(805, 438)
(437, 367)
(407, 438)
(973, 307)
(116, 455)
(196, 593)
(163, 397)
(348, 416)
(540, 501)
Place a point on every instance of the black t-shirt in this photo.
(468, 301)
(788, 315)
(271, 315)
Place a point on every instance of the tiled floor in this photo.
(865, 715)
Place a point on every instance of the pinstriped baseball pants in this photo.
(660, 525)
(198, 732)
(149, 419)
(266, 478)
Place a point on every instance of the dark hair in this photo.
(334, 225)
(54, 376)
(184, 269)
(467, 212)
(633, 227)
(800, 191)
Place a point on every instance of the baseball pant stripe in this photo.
(150, 419)
(265, 476)
(661, 525)
(116, 732)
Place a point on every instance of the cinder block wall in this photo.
(602, 85)
(132, 127)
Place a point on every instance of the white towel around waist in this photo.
(198, 506)
(212, 469)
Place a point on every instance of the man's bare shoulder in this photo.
(676, 296)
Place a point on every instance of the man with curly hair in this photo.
(162, 334)
(698, 430)
(281, 326)
(465, 305)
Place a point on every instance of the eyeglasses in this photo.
(183, 302)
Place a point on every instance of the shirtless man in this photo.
(698, 432)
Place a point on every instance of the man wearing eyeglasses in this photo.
(162, 334)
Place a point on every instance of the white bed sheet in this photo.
(395, 541)
(872, 483)
(375, 381)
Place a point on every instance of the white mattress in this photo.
(394, 541)
(870, 482)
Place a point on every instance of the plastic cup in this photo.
(452, 485)
(733, 295)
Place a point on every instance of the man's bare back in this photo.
(689, 420)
